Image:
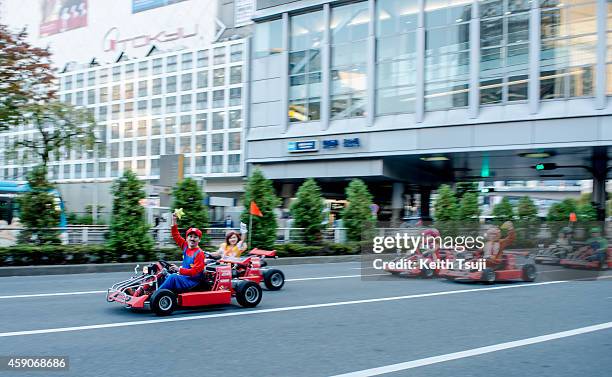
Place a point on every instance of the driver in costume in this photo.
(191, 271)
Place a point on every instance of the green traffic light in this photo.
(539, 167)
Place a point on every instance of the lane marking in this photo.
(98, 292)
(475, 352)
(271, 310)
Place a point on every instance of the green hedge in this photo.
(27, 255)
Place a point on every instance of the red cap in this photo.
(197, 231)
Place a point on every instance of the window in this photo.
(216, 164)
(171, 104)
(155, 147)
(128, 131)
(157, 86)
(91, 96)
(170, 145)
(170, 126)
(78, 171)
(202, 79)
(129, 71)
(142, 128)
(102, 113)
(185, 144)
(142, 108)
(236, 53)
(116, 73)
(103, 94)
(90, 170)
(79, 98)
(128, 111)
(268, 38)
(396, 56)
(219, 55)
(157, 66)
(200, 143)
(68, 97)
(129, 90)
(114, 150)
(116, 93)
(217, 142)
(156, 106)
(143, 68)
(202, 58)
(67, 82)
(171, 64)
(141, 148)
(447, 54)
(233, 141)
(504, 50)
(115, 111)
(127, 149)
(186, 124)
(142, 89)
(200, 164)
(218, 98)
(235, 96)
(235, 118)
(187, 60)
(233, 163)
(114, 169)
(91, 78)
(171, 84)
(103, 75)
(127, 165)
(101, 169)
(66, 172)
(305, 66)
(80, 78)
(202, 101)
(186, 102)
(218, 121)
(236, 74)
(219, 77)
(186, 81)
(568, 33)
(349, 31)
(141, 167)
(155, 167)
(187, 165)
(156, 127)
(200, 122)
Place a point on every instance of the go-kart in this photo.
(588, 262)
(506, 270)
(550, 255)
(413, 263)
(216, 288)
(253, 268)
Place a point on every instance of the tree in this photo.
(357, 215)
(503, 211)
(263, 230)
(561, 211)
(461, 188)
(307, 211)
(468, 207)
(586, 212)
(26, 76)
(188, 196)
(129, 233)
(38, 211)
(526, 209)
(446, 205)
(58, 127)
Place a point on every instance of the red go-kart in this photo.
(217, 288)
(507, 270)
(414, 265)
(253, 268)
(587, 262)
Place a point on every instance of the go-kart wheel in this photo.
(248, 294)
(274, 279)
(488, 276)
(163, 302)
(427, 273)
(529, 272)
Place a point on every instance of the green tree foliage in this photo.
(468, 207)
(129, 233)
(461, 188)
(307, 211)
(445, 207)
(188, 196)
(503, 211)
(561, 211)
(261, 191)
(586, 212)
(526, 209)
(357, 215)
(38, 210)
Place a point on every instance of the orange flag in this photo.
(255, 210)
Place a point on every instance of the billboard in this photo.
(142, 5)
(243, 11)
(62, 15)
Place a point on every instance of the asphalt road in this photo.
(326, 321)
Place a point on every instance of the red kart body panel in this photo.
(204, 298)
(416, 271)
(510, 272)
(250, 267)
(264, 253)
(583, 263)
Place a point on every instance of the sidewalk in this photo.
(129, 267)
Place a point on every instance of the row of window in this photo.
(217, 142)
(568, 39)
(154, 66)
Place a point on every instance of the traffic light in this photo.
(545, 166)
(486, 190)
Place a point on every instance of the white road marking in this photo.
(271, 310)
(474, 352)
(98, 292)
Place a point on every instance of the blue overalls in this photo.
(178, 283)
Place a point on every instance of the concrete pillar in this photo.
(600, 170)
(397, 204)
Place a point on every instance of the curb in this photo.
(129, 267)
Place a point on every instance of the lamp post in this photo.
(94, 207)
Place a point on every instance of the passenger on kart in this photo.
(432, 243)
(563, 245)
(233, 246)
(191, 271)
(493, 250)
(596, 248)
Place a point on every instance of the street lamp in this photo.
(94, 208)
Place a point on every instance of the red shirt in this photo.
(198, 265)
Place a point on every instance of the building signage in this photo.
(113, 42)
(62, 15)
(330, 144)
(351, 143)
(302, 146)
(243, 11)
(142, 5)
